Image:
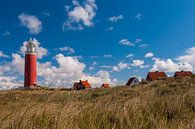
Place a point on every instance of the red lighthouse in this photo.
(30, 79)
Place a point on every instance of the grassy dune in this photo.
(166, 104)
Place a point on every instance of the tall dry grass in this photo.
(166, 104)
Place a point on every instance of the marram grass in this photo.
(166, 104)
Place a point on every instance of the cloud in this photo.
(126, 42)
(99, 78)
(138, 16)
(8, 82)
(31, 22)
(135, 43)
(41, 51)
(138, 40)
(80, 16)
(107, 56)
(149, 55)
(2, 55)
(69, 64)
(143, 45)
(67, 49)
(17, 64)
(94, 63)
(109, 28)
(46, 14)
(94, 57)
(6, 33)
(189, 57)
(183, 62)
(14, 68)
(121, 66)
(170, 66)
(106, 66)
(68, 71)
(115, 19)
(91, 68)
(130, 55)
(137, 63)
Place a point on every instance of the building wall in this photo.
(135, 82)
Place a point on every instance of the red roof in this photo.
(155, 75)
(105, 85)
(183, 74)
(86, 84)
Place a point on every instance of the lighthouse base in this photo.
(30, 87)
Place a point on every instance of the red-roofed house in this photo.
(183, 74)
(132, 81)
(105, 85)
(81, 85)
(152, 76)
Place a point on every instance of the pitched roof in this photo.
(105, 85)
(183, 73)
(155, 75)
(75, 84)
(85, 84)
(130, 81)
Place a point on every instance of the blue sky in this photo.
(98, 35)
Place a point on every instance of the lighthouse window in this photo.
(33, 49)
(28, 49)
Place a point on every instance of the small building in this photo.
(133, 81)
(152, 76)
(81, 85)
(183, 74)
(105, 85)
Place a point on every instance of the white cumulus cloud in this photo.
(121, 66)
(81, 15)
(189, 57)
(70, 70)
(31, 22)
(138, 40)
(67, 49)
(116, 18)
(149, 55)
(9, 82)
(170, 66)
(137, 63)
(3, 55)
(126, 42)
(129, 55)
